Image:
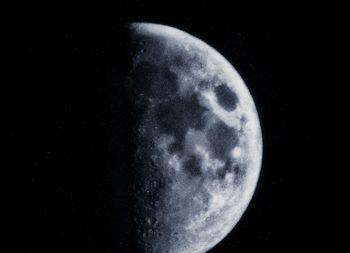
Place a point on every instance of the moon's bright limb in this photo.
(200, 144)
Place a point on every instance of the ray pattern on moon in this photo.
(200, 144)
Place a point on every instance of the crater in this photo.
(193, 166)
(226, 97)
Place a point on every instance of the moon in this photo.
(199, 142)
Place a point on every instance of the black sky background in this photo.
(65, 63)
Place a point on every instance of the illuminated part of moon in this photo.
(200, 144)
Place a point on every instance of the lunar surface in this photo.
(199, 144)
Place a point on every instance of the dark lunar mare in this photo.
(176, 116)
(222, 139)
